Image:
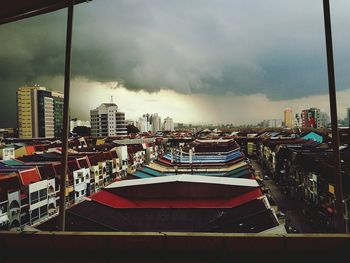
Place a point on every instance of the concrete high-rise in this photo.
(324, 120)
(58, 112)
(288, 117)
(348, 116)
(36, 113)
(156, 123)
(168, 124)
(106, 120)
(274, 123)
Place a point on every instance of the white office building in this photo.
(106, 121)
(156, 123)
(143, 124)
(168, 124)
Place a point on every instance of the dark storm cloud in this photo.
(274, 47)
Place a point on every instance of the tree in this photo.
(132, 129)
(82, 130)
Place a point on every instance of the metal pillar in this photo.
(65, 132)
(339, 212)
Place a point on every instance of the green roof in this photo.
(12, 162)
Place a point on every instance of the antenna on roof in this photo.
(111, 99)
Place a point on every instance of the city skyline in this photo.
(205, 62)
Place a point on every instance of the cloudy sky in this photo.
(199, 61)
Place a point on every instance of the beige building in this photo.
(39, 112)
(25, 105)
(288, 117)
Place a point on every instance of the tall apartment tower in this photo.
(324, 120)
(288, 117)
(143, 124)
(58, 101)
(36, 113)
(106, 121)
(348, 115)
(156, 123)
(310, 118)
(168, 124)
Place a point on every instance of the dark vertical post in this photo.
(67, 73)
(339, 220)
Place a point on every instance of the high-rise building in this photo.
(168, 124)
(58, 101)
(324, 120)
(44, 110)
(24, 112)
(36, 113)
(106, 120)
(274, 123)
(143, 124)
(310, 118)
(288, 117)
(156, 123)
(348, 116)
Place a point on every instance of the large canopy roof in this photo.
(13, 10)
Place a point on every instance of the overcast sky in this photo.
(199, 61)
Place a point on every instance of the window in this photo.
(76, 181)
(34, 197)
(34, 215)
(43, 194)
(43, 211)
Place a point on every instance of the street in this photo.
(293, 215)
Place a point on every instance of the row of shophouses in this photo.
(30, 184)
(303, 168)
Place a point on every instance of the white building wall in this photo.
(36, 187)
(49, 118)
(168, 124)
(7, 153)
(156, 123)
(122, 152)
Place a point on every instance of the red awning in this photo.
(13, 10)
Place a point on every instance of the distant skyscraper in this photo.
(168, 124)
(310, 118)
(58, 113)
(36, 113)
(106, 120)
(324, 120)
(288, 117)
(144, 124)
(297, 120)
(156, 123)
(274, 123)
(348, 115)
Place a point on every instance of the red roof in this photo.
(29, 176)
(115, 201)
(84, 162)
(114, 154)
(73, 165)
(47, 171)
(108, 155)
(30, 149)
(93, 160)
(9, 182)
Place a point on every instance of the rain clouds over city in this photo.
(216, 60)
